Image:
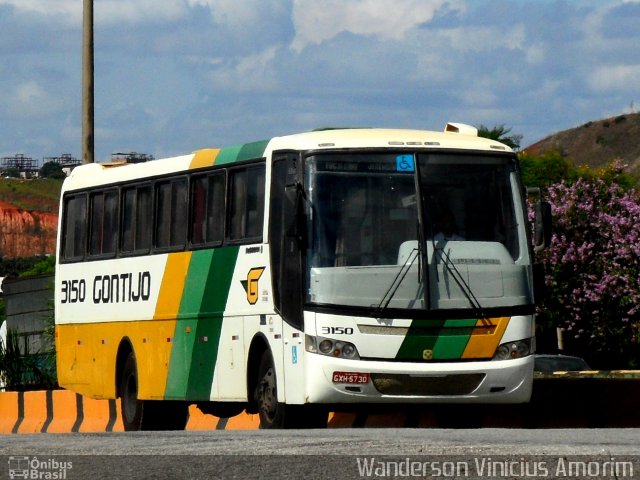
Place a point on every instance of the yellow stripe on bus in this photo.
(484, 341)
(204, 158)
(170, 296)
(84, 349)
(169, 299)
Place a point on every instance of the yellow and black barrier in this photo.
(560, 400)
(62, 411)
(56, 411)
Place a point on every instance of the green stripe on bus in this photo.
(180, 360)
(214, 301)
(454, 338)
(239, 153)
(416, 341)
(216, 286)
(445, 339)
(197, 333)
(187, 324)
(253, 150)
(194, 286)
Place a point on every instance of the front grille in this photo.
(395, 384)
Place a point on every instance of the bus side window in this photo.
(75, 227)
(198, 209)
(207, 209)
(215, 208)
(97, 214)
(136, 219)
(171, 210)
(246, 199)
(104, 223)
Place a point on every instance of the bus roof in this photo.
(453, 137)
(384, 138)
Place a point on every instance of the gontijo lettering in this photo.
(111, 288)
(124, 287)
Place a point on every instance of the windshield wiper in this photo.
(397, 281)
(459, 279)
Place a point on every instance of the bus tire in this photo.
(129, 404)
(147, 414)
(277, 415)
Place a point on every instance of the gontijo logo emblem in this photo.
(250, 285)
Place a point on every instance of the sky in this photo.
(174, 76)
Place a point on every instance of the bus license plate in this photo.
(350, 377)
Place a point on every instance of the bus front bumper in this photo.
(335, 380)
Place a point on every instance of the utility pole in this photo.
(87, 82)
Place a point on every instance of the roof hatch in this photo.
(461, 128)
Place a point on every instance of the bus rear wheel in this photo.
(147, 414)
(276, 415)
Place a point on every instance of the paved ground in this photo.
(337, 453)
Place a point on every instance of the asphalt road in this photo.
(332, 453)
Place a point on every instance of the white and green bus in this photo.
(296, 276)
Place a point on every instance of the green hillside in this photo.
(40, 195)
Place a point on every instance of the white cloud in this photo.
(105, 12)
(30, 100)
(482, 39)
(246, 67)
(254, 73)
(114, 11)
(66, 8)
(234, 13)
(535, 54)
(316, 21)
(29, 92)
(615, 78)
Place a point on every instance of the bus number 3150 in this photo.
(337, 331)
(73, 291)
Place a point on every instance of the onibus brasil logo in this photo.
(35, 468)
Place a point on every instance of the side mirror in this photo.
(542, 226)
(542, 221)
(294, 215)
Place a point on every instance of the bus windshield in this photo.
(426, 231)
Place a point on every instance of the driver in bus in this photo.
(447, 228)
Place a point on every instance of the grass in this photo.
(41, 195)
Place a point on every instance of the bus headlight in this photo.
(325, 347)
(331, 348)
(510, 350)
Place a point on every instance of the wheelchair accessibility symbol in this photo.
(405, 163)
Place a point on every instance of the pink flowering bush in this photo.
(593, 270)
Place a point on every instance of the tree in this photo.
(52, 170)
(45, 266)
(545, 170)
(593, 269)
(500, 134)
(553, 167)
(11, 172)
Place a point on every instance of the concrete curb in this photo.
(57, 411)
(594, 399)
(63, 411)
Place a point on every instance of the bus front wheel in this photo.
(275, 415)
(147, 414)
